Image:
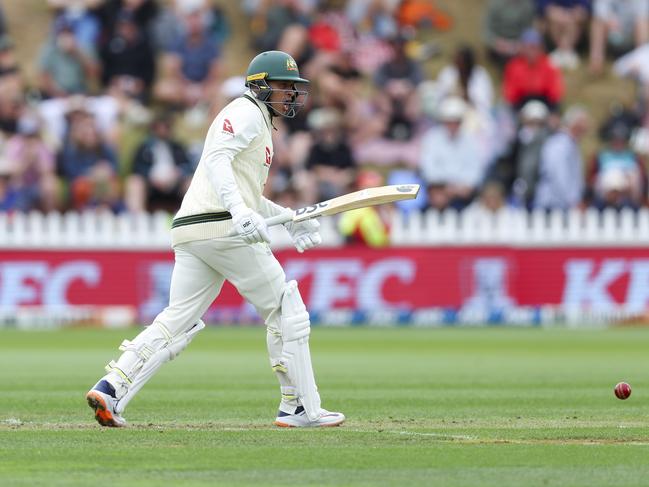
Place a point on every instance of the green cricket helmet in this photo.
(276, 66)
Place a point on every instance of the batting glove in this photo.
(305, 235)
(249, 225)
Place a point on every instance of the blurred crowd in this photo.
(106, 123)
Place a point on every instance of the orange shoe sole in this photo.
(102, 414)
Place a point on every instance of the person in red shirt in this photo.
(531, 75)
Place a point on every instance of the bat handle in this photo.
(280, 219)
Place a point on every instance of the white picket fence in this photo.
(104, 230)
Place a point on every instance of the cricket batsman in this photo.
(219, 233)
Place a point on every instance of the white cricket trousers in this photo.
(202, 266)
(200, 270)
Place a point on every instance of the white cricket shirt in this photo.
(241, 136)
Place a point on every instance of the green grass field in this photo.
(451, 407)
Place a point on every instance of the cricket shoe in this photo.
(102, 399)
(299, 419)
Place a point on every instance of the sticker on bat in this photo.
(404, 189)
(310, 208)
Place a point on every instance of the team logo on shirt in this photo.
(268, 157)
(227, 127)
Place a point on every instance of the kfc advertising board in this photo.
(353, 285)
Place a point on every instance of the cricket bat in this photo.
(346, 202)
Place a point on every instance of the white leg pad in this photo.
(296, 357)
(149, 365)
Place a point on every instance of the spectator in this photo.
(12, 86)
(378, 18)
(269, 22)
(143, 13)
(30, 168)
(518, 168)
(466, 79)
(367, 225)
(491, 199)
(617, 26)
(65, 67)
(58, 113)
(635, 66)
(3, 22)
(617, 178)
(398, 79)
(450, 161)
(128, 59)
(561, 171)
(564, 22)
(615, 191)
(531, 75)
(168, 25)
(330, 163)
(422, 13)
(161, 171)
(504, 23)
(385, 126)
(78, 15)
(340, 82)
(89, 165)
(191, 67)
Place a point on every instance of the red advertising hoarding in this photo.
(480, 282)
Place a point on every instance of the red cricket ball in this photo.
(622, 390)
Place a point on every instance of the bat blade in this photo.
(358, 199)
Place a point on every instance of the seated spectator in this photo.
(168, 25)
(30, 169)
(190, 68)
(161, 171)
(79, 16)
(450, 162)
(398, 78)
(58, 113)
(12, 87)
(565, 21)
(422, 13)
(65, 67)
(615, 191)
(11, 109)
(340, 82)
(490, 200)
(367, 225)
(531, 75)
(561, 172)
(269, 19)
(385, 126)
(617, 26)
(518, 168)
(376, 17)
(330, 163)
(466, 79)
(635, 66)
(89, 165)
(3, 22)
(504, 23)
(128, 59)
(621, 116)
(618, 177)
(143, 13)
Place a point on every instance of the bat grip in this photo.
(280, 219)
